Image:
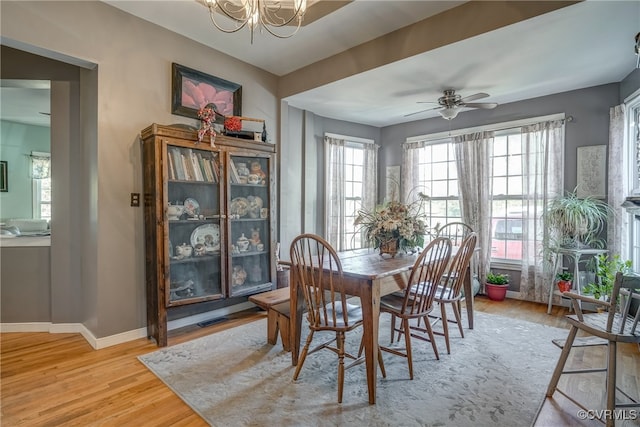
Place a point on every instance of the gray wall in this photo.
(124, 85)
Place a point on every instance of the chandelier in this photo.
(272, 15)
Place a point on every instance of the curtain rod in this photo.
(500, 126)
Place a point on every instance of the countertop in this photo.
(24, 241)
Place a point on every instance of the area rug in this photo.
(496, 375)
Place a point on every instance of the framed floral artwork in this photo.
(191, 90)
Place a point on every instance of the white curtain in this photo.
(335, 196)
(40, 166)
(334, 204)
(618, 222)
(542, 170)
(410, 171)
(474, 165)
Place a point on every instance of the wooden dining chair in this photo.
(608, 329)
(317, 270)
(449, 290)
(455, 231)
(417, 301)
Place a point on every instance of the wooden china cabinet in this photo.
(209, 223)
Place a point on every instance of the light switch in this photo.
(135, 199)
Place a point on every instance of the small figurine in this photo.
(255, 238)
(256, 169)
(238, 276)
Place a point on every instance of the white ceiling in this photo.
(582, 45)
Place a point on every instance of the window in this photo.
(41, 176)
(438, 178)
(351, 186)
(507, 210)
(353, 193)
(42, 198)
(431, 160)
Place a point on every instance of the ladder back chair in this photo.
(455, 231)
(449, 290)
(417, 301)
(612, 327)
(317, 270)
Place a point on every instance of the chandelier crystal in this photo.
(230, 16)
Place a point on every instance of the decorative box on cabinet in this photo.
(209, 223)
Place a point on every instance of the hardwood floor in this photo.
(58, 379)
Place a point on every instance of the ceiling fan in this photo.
(450, 104)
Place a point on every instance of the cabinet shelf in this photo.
(248, 253)
(192, 259)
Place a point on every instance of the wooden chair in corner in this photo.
(608, 329)
(449, 291)
(326, 302)
(455, 231)
(418, 299)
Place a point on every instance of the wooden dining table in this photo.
(369, 276)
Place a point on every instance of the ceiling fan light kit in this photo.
(449, 113)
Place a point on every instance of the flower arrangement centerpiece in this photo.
(395, 226)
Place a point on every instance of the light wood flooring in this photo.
(58, 379)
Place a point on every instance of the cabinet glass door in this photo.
(249, 224)
(193, 225)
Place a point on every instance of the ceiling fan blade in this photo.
(482, 105)
(421, 111)
(475, 96)
(426, 102)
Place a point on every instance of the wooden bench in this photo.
(276, 303)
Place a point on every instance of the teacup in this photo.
(264, 213)
(253, 179)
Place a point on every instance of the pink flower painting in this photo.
(198, 94)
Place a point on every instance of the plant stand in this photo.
(576, 255)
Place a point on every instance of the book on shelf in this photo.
(171, 170)
(216, 169)
(185, 166)
(235, 178)
(195, 166)
(177, 163)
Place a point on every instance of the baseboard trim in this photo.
(120, 338)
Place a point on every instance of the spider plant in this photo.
(576, 222)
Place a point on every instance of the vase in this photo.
(390, 247)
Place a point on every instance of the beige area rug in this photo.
(496, 375)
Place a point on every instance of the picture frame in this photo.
(192, 89)
(4, 177)
(591, 171)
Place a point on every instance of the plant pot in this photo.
(496, 292)
(564, 285)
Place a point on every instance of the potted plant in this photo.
(606, 270)
(565, 281)
(576, 222)
(497, 285)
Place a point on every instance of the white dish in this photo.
(239, 206)
(191, 207)
(207, 235)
